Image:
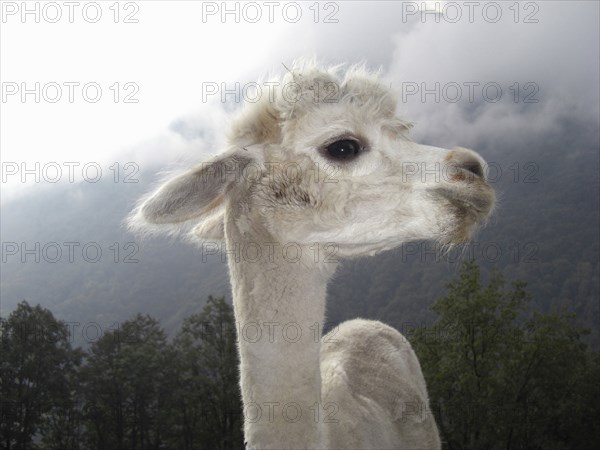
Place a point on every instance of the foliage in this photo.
(37, 365)
(133, 389)
(207, 401)
(500, 379)
(125, 382)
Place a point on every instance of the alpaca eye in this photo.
(343, 150)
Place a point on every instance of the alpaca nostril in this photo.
(473, 167)
(467, 161)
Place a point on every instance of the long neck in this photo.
(279, 308)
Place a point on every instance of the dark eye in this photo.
(345, 149)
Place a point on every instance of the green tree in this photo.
(36, 365)
(126, 384)
(207, 406)
(501, 378)
(62, 427)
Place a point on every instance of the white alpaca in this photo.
(321, 170)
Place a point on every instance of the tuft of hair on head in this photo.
(305, 85)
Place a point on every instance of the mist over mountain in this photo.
(76, 258)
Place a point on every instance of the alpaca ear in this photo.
(196, 194)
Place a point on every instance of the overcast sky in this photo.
(501, 70)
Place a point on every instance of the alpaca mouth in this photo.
(470, 208)
(478, 205)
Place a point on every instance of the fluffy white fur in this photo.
(361, 386)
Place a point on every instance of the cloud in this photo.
(545, 70)
(171, 54)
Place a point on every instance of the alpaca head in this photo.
(325, 159)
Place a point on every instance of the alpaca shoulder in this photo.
(372, 377)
